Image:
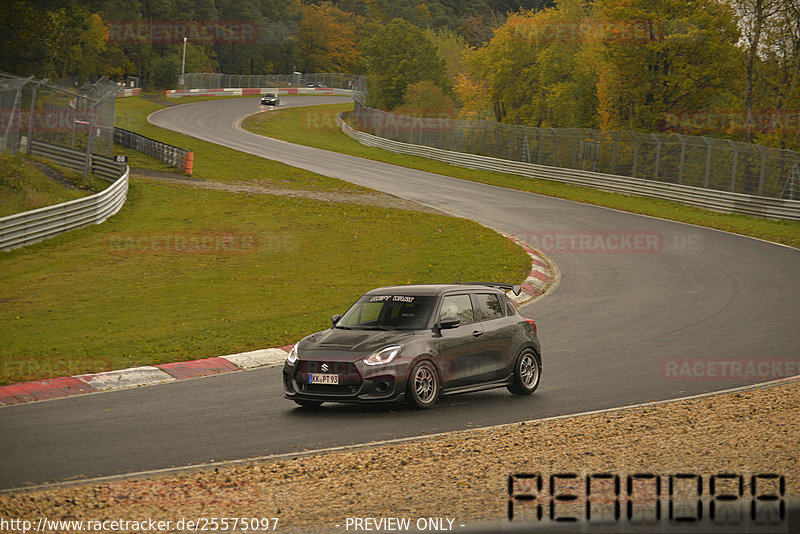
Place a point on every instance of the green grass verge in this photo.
(24, 186)
(316, 126)
(127, 293)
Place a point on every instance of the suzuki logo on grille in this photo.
(324, 367)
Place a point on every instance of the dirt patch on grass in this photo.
(370, 199)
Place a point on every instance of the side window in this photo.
(457, 306)
(489, 307)
(510, 309)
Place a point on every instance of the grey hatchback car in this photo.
(417, 343)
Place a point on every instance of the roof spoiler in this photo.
(514, 288)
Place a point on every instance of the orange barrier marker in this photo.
(189, 164)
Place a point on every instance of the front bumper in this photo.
(358, 382)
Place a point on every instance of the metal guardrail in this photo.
(172, 155)
(36, 225)
(723, 201)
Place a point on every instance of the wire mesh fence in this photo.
(699, 161)
(77, 117)
(205, 80)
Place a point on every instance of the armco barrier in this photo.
(722, 201)
(177, 157)
(129, 92)
(254, 91)
(32, 226)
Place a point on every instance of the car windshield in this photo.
(388, 312)
(270, 95)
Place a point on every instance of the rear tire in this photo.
(308, 403)
(422, 390)
(527, 373)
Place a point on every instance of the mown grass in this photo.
(24, 186)
(316, 126)
(128, 293)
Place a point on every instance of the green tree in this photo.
(452, 49)
(539, 68)
(683, 58)
(426, 99)
(165, 70)
(397, 55)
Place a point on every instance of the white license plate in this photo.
(319, 378)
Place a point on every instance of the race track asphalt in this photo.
(610, 333)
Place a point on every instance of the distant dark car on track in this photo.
(416, 343)
(270, 99)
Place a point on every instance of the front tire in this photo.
(423, 385)
(527, 373)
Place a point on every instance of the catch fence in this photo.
(698, 161)
(76, 117)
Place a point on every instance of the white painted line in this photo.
(257, 358)
(126, 378)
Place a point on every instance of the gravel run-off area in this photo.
(461, 476)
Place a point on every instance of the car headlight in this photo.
(292, 357)
(384, 355)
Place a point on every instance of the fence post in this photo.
(763, 170)
(708, 161)
(614, 153)
(89, 143)
(635, 154)
(658, 154)
(733, 170)
(555, 147)
(683, 157)
(32, 114)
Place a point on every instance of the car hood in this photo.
(356, 342)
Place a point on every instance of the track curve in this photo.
(607, 332)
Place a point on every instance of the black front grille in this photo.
(349, 377)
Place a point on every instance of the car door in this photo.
(460, 349)
(498, 336)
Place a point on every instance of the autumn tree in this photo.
(326, 40)
(397, 55)
(538, 68)
(663, 56)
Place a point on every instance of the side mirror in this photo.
(335, 319)
(449, 322)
